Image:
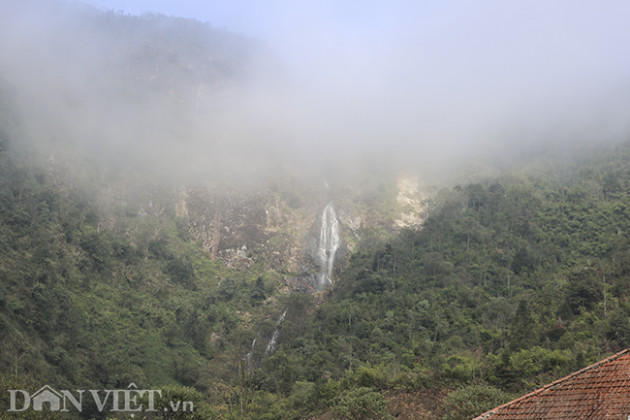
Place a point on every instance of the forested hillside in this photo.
(512, 282)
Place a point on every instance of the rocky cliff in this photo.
(282, 227)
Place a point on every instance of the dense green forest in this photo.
(511, 283)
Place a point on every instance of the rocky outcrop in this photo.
(412, 202)
(225, 221)
(282, 228)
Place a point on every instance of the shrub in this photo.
(360, 404)
(472, 400)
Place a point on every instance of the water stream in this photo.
(271, 346)
(250, 356)
(329, 242)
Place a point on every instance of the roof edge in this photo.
(551, 385)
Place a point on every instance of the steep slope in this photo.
(143, 112)
(114, 269)
(511, 283)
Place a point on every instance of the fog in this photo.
(313, 85)
(449, 80)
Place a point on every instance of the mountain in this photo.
(145, 238)
(510, 282)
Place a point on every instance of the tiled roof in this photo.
(599, 391)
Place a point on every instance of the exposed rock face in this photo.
(224, 221)
(241, 228)
(411, 201)
(284, 229)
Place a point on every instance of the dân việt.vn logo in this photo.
(130, 400)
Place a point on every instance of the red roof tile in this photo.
(599, 391)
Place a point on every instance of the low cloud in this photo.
(402, 83)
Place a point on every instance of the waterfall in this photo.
(284, 314)
(328, 244)
(271, 347)
(250, 356)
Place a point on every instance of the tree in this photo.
(360, 404)
(523, 328)
(584, 290)
(472, 400)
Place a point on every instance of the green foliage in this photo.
(180, 402)
(366, 376)
(618, 326)
(360, 404)
(471, 401)
(522, 332)
(180, 270)
(511, 283)
(584, 290)
(30, 385)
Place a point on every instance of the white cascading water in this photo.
(271, 347)
(250, 356)
(329, 242)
